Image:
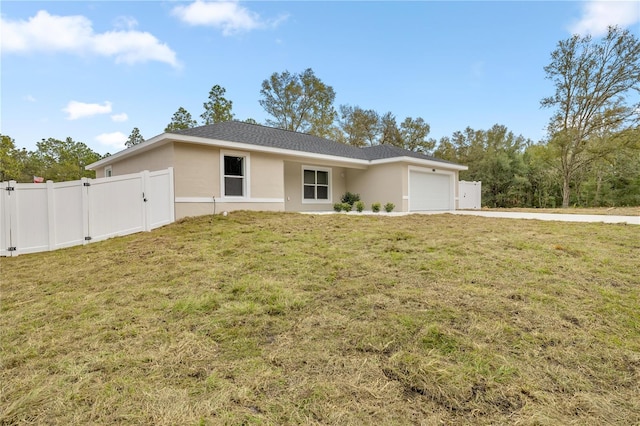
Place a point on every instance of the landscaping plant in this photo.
(350, 198)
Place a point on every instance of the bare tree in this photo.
(592, 80)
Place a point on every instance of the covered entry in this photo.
(430, 190)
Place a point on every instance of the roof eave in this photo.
(424, 162)
(273, 150)
(172, 137)
(128, 152)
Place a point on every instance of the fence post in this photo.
(86, 228)
(11, 219)
(4, 219)
(51, 215)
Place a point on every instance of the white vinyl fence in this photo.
(469, 195)
(38, 217)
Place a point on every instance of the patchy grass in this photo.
(271, 319)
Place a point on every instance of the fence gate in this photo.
(38, 217)
(469, 195)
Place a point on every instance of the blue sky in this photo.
(94, 70)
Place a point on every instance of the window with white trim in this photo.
(234, 176)
(108, 171)
(316, 184)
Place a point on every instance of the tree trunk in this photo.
(565, 192)
(596, 202)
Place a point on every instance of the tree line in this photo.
(516, 172)
(59, 160)
(590, 157)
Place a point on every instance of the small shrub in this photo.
(375, 207)
(359, 206)
(389, 207)
(347, 207)
(350, 198)
(337, 207)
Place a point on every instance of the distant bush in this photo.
(389, 207)
(359, 206)
(337, 207)
(350, 198)
(347, 207)
(375, 207)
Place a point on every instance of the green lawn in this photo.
(259, 318)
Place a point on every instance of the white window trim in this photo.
(108, 171)
(330, 191)
(246, 181)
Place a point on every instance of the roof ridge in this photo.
(260, 134)
(276, 128)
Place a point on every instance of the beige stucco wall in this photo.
(404, 204)
(293, 187)
(159, 158)
(381, 183)
(275, 184)
(267, 176)
(197, 171)
(198, 179)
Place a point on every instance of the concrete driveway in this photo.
(593, 218)
(633, 220)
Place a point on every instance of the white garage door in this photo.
(429, 191)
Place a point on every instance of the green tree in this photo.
(389, 132)
(614, 179)
(495, 157)
(502, 167)
(62, 160)
(445, 150)
(543, 176)
(181, 120)
(361, 127)
(135, 138)
(218, 108)
(413, 133)
(299, 102)
(592, 80)
(30, 165)
(10, 167)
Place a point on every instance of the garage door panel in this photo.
(429, 191)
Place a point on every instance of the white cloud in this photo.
(30, 98)
(77, 109)
(125, 22)
(597, 16)
(228, 16)
(74, 34)
(118, 118)
(131, 47)
(46, 32)
(114, 140)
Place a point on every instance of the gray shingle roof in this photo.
(379, 152)
(255, 134)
